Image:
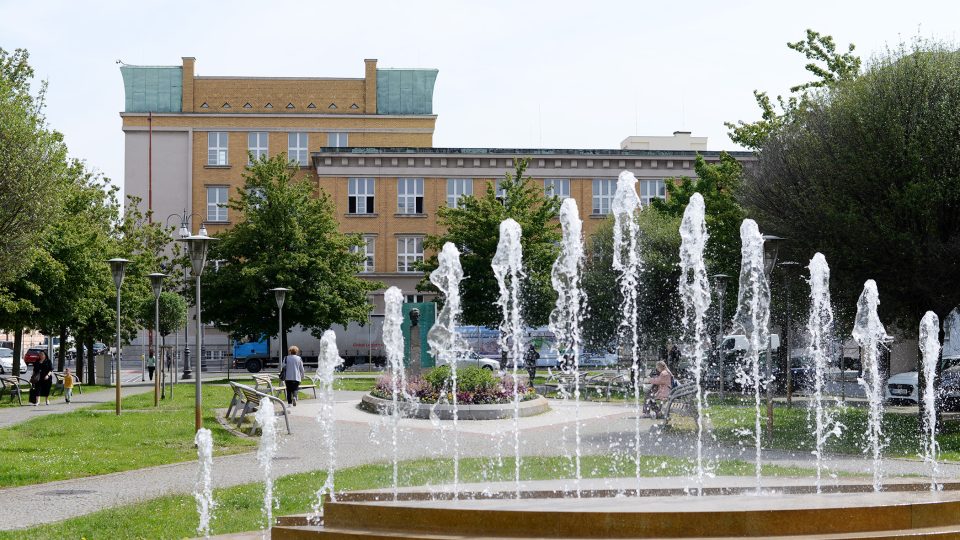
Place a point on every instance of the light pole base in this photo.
(185, 375)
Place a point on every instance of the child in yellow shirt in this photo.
(67, 385)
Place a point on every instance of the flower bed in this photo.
(475, 386)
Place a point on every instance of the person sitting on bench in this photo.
(659, 392)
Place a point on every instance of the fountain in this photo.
(203, 492)
(930, 347)
(695, 294)
(327, 362)
(819, 326)
(753, 318)
(565, 319)
(266, 418)
(393, 343)
(507, 267)
(626, 261)
(869, 332)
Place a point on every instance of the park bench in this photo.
(11, 384)
(246, 400)
(605, 383)
(58, 383)
(681, 401)
(565, 382)
(265, 383)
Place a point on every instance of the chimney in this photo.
(370, 86)
(187, 88)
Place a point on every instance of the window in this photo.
(256, 145)
(338, 139)
(410, 195)
(360, 195)
(409, 252)
(603, 190)
(559, 187)
(216, 203)
(501, 192)
(456, 188)
(297, 148)
(413, 298)
(652, 189)
(368, 247)
(217, 148)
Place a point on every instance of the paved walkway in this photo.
(15, 415)
(364, 438)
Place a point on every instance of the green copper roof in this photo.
(152, 88)
(405, 91)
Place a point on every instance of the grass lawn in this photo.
(239, 508)
(5, 399)
(361, 384)
(95, 441)
(793, 431)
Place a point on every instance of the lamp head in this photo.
(280, 294)
(156, 281)
(197, 247)
(771, 248)
(118, 268)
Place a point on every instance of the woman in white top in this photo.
(292, 373)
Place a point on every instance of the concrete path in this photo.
(15, 415)
(364, 438)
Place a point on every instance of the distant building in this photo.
(680, 141)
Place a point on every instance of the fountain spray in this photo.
(819, 327)
(327, 362)
(869, 332)
(266, 418)
(203, 492)
(695, 295)
(393, 343)
(753, 318)
(566, 316)
(626, 261)
(930, 347)
(445, 343)
(507, 266)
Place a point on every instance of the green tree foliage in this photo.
(173, 312)
(285, 237)
(870, 176)
(33, 165)
(828, 67)
(474, 227)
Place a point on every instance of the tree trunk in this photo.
(92, 370)
(62, 352)
(17, 351)
(78, 343)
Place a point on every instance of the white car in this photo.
(902, 388)
(474, 359)
(6, 361)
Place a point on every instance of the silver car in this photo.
(6, 361)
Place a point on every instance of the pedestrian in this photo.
(67, 385)
(660, 391)
(292, 373)
(151, 363)
(43, 371)
(530, 360)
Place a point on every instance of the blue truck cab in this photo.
(253, 355)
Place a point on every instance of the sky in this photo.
(554, 74)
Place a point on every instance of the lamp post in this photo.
(771, 248)
(118, 267)
(720, 281)
(280, 294)
(197, 247)
(156, 282)
(787, 280)
(184, 232)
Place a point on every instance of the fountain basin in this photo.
(531, 407)
(846, 511)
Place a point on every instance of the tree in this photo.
(827, 66)
(474, 227)
(173, 312)
(870, 176)
(33, 163)
(285, 237)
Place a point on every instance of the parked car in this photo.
(950, 383)
(474, 359)
(902, 388)
(6, 361)
(33, 355)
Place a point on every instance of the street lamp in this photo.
(720, 281)
(787, 266)
(156, 282)
(771, 248)
(184, 232)
(280, 294)
(197, 247)
(118, 267)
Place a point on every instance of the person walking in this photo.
(151, 364)
(67, 385)
(44, 375)
(292, 373)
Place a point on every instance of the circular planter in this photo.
(497, 411)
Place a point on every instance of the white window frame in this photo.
(218, 152)
(559, 187)
(652, 188)
(412, 298)
(456, 188)
(217, 199)
(409, 195)
(297, 147)
(409, 252)
(257, 145)
(361, 195)
(369, 249)
(603, 192)
(338, 139)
